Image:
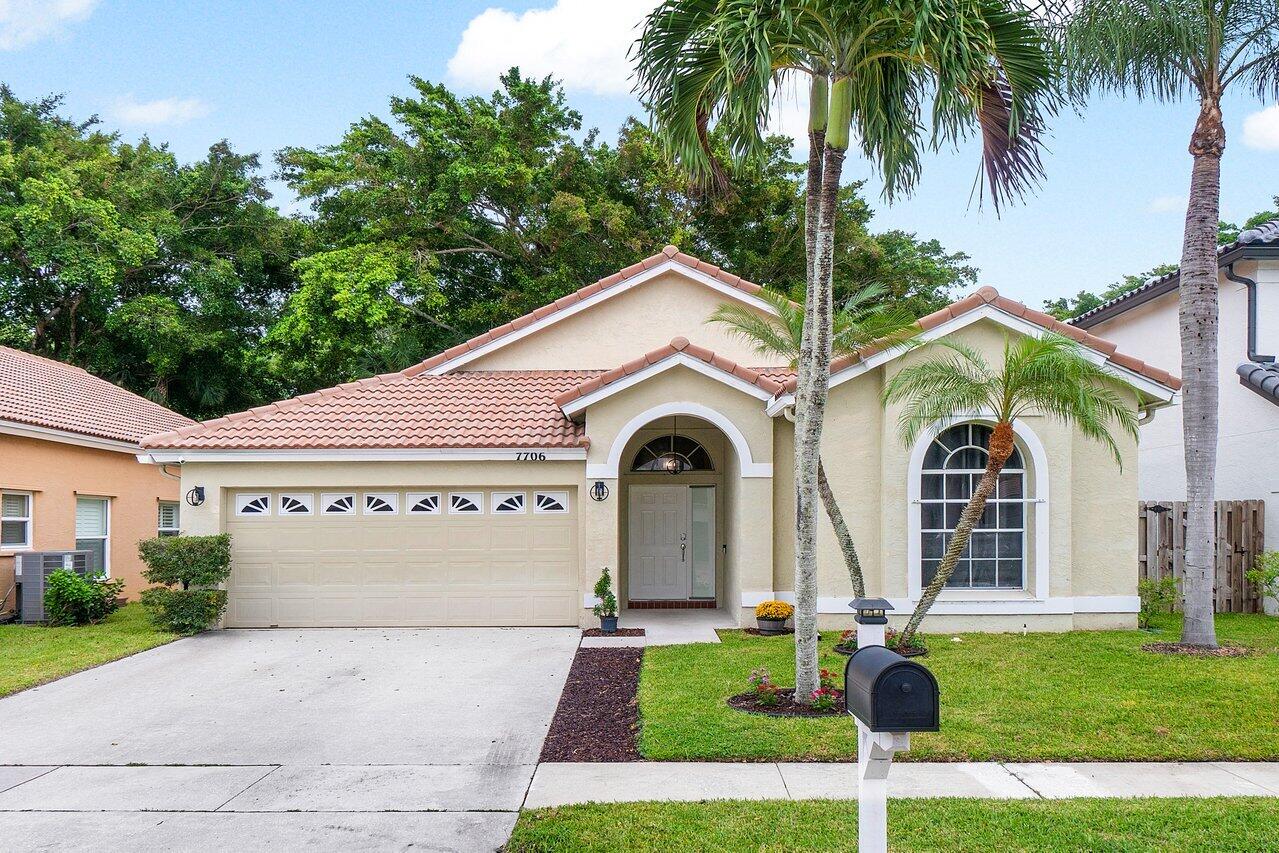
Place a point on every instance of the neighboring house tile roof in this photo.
(477, 409)
(670, 253)
(1262, 378)
(1263, 238)
(44, 393)
(989, 296)
(657, 356)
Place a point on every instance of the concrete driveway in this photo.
(336, 738)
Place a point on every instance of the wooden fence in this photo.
(1161, 534)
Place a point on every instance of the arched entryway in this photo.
(674, 514)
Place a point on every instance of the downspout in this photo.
(1252, 315)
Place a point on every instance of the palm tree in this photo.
(1048, 376)
(862, 322)
(870, 65)
(1166, 50)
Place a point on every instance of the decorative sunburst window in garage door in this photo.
(423, 503)
(380, 503)
(508, 503)
(550, 502)
(297, 504)
(252, 504)
(462, 503)
(339, 504)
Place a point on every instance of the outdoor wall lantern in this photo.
(599, 491)
(195, 496)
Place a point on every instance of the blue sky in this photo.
(269, 74)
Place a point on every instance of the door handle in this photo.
(682, 548)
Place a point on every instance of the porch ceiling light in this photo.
(672, 462)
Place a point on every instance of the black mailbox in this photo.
(889, 693)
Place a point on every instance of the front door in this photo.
(660, 560)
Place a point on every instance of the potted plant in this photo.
(607, 607)
(771, 616)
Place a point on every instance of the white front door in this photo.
(660, 560)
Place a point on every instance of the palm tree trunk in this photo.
(836, 516)
(1001, 447)
(818, 98)
(1198, 320)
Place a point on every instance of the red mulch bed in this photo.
(620, 632)
(598, 715)
(1197, 651)
(785, 707)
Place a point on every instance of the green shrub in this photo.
(197, 564)
(1156, 597)
(186, 560)
(183, 611)
(1265, 574)
(72, 599)
(604, 592)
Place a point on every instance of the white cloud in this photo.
(25, 21)
(584, 43)
(1261, 129)
(1167, 204)
(129, 110)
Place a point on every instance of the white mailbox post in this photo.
(890, 697)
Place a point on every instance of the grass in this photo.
(34, 654)
(1226, 824)
(1080, 695)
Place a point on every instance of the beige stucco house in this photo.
(69, 472)
(490, 484)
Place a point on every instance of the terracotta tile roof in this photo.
(990, 296)
(670, 253)
(476, 409)
(45, 393)
(674, 348)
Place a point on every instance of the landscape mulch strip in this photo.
(598, 715)
(1223, 651)
(620, 632)
(786, 706)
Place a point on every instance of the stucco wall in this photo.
(623, 328)
(1248, 424)
(56, 472)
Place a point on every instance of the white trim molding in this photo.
(1037, 506)
(678, 359)
(1161, 393)
(22, 430)
(746, 462)
(1063, 605)
(388, 454)
(602, 295)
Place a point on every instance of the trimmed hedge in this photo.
(198, 564)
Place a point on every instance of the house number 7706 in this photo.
(530, 456)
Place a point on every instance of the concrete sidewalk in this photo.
(556, 784)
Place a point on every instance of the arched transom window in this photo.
(673, 454)
(996, 554)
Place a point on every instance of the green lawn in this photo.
(1079, 695)
(1224, 824)
(34, 654)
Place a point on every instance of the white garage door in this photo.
(337, 557)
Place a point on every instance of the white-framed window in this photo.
(252, 503)
(996, 554)
(296, 503)
(93, 531)
(168, 518)
(423, 503)
(508, 503)
(340, 503)
(466, 503)
(381, 503)
(550, 502)
(15, 520)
